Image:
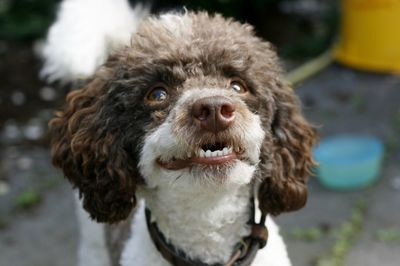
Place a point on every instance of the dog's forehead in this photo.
(194, 36)
(190, 25)
(206, 82)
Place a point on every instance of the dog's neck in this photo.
(205, 223)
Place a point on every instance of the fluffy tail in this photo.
(83, 34)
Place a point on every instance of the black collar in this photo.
(243, 254)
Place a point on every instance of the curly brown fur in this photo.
(286, 160)
(91, 146)
(98, 137)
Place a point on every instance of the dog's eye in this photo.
(238, 86)
(157, 95)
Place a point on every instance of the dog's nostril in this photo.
(227, 110)
(214, 113)
(202, 113)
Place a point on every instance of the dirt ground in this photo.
(356, 228)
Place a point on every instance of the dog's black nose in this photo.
(214, 114)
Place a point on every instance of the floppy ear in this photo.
(94, 154)
(286, 160)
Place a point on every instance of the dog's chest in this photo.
(139, 250)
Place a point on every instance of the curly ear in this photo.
(286, 160)
(93, 155)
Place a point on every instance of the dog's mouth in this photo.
(215, 154)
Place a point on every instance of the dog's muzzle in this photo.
(213, 114)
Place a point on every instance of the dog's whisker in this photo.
(178, 177)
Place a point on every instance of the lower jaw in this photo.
(217, 162)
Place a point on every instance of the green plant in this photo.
(345, 236)
(307, 234)
(388, 235)
(28, 199)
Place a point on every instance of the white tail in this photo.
(84, 33)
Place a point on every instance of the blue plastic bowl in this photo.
(349, 162)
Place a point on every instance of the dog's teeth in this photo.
(207, 154)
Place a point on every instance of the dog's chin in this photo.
(236, 171)
(217, 167)
(210, 162)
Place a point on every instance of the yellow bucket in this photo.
(370, 35)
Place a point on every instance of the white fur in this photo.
(140, 250)
(204, 223)
(92, 246)
(84, 33)
(178, 24)
(275, 253)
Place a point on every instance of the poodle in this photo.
(182, 144)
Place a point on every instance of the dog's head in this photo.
(195, 99)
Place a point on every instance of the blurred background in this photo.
(353, 89)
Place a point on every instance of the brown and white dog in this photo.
(190, 120)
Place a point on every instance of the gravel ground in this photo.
(37, 218)
(340, 101)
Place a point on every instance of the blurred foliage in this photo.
(296, 34)
(25, 19)
(27, 199)
(315, 35)
(391, 235)
(345, 237)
